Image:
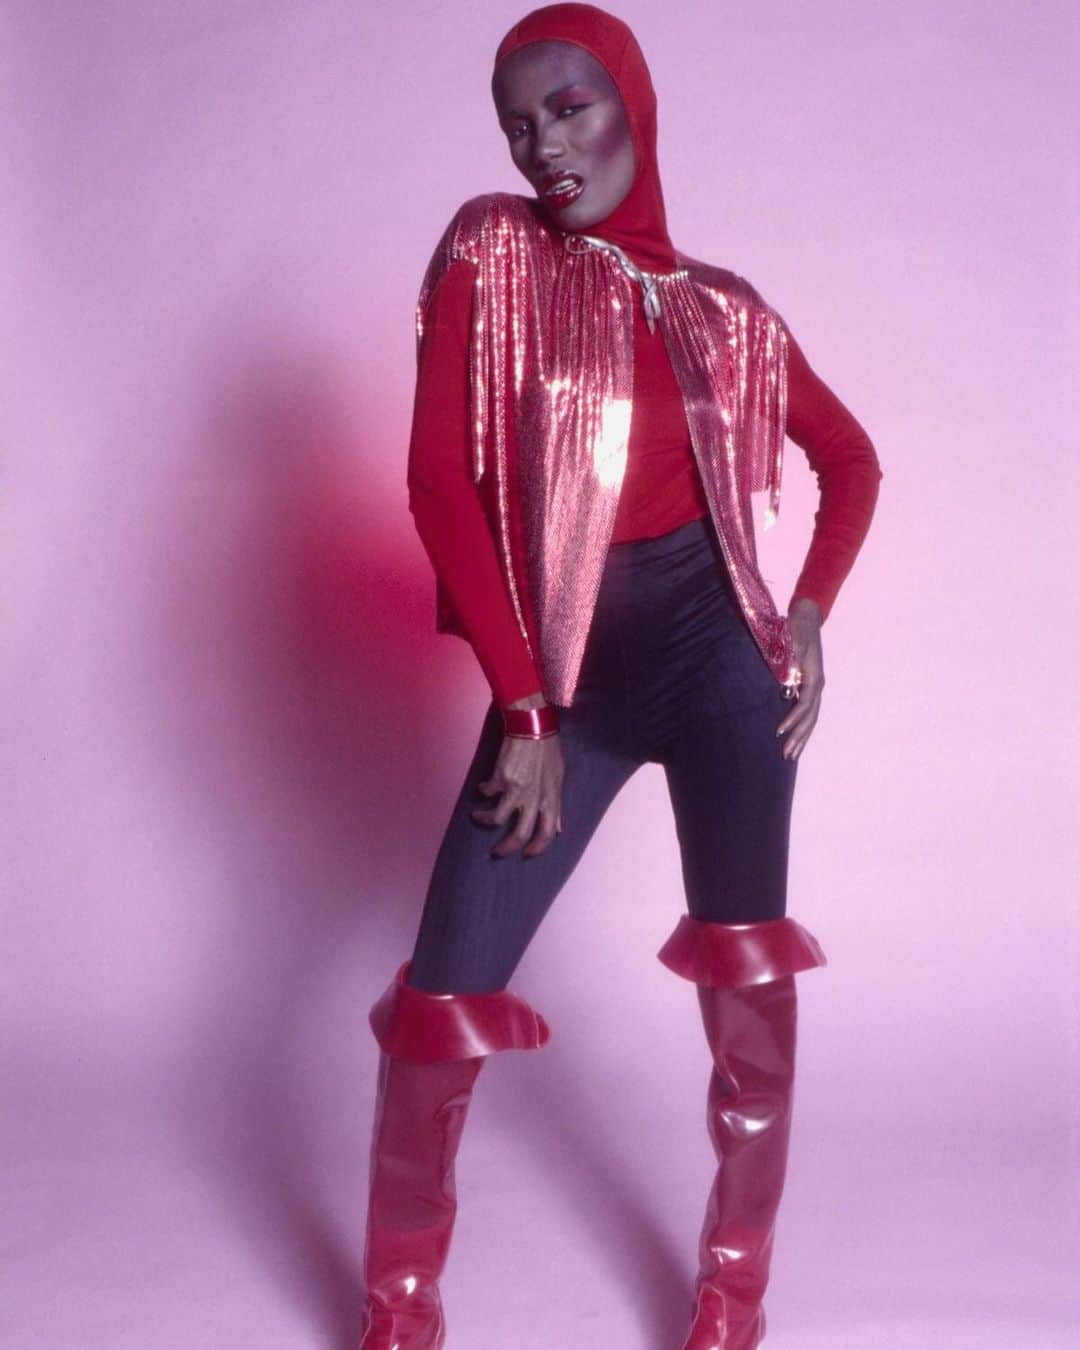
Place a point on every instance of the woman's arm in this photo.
(446, 505)
(848, 474)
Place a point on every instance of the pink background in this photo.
(234, 735)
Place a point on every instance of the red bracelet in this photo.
(531, 724)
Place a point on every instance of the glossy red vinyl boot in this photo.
(432, 1048)
(746, 992)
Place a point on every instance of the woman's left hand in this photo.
(804, 621)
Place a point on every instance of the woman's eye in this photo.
(515, 133)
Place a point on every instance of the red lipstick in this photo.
(561, 188)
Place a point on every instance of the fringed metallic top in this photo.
(551, 391)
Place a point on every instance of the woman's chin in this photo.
(571, 217)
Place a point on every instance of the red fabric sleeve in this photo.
(848, 474)
(445, 503)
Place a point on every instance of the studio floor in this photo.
(133, 1225)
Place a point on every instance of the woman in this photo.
(593, 409)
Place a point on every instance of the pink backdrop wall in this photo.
(233, 735)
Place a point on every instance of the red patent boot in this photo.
(746, 992)
(432, 1048)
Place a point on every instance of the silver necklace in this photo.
(647, 280)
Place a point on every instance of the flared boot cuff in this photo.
(414, 1024)
(730, 955)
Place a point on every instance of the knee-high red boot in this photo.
(746, 992)
(432, 1048)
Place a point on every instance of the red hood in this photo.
(639, 223)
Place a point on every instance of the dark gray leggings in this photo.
(671, 675)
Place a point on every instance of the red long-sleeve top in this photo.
(661, 487)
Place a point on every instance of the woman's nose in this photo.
(549, 147)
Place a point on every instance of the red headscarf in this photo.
(639, 223)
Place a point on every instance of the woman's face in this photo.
(567, 129)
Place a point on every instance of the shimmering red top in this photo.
(661, 489)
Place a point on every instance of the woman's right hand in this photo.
(529, 776)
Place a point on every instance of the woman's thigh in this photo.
(481, 912)
(731, 793)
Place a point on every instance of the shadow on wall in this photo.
(298, 739)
